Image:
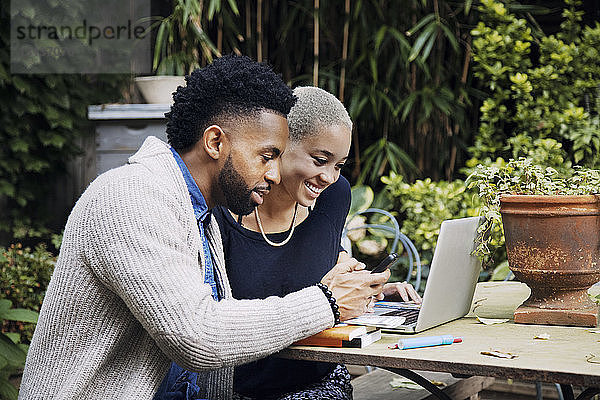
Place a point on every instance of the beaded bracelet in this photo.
(334, 307)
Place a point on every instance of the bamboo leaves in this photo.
(432, 27)
(181, 40)
(233, 6)
(378, 155)
(400, 85)
(427, 36)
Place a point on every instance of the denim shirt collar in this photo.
(201, 211)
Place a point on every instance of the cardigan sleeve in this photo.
(140, 243)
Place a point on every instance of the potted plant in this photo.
(551, 225)
(181, 46)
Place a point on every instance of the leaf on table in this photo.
(439, 383)
(591, 358)
(491, 321)
(542, 336)
(401, 383)
(499, 354)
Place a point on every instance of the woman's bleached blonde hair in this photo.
(314, 110)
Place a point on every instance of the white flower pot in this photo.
(159, 89)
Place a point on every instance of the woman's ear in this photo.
(214, 142)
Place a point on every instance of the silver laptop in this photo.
(449, 289)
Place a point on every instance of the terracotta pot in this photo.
(553, 245)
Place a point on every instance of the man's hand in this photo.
(397, 290)
(353, 287)
(345, 264)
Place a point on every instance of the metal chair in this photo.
(411, 250)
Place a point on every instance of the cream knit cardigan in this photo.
(127, 296)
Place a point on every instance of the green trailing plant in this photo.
(24, 277)
(543, 90)
(12, 352)
(522, 177)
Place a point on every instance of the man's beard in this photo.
(237, 194)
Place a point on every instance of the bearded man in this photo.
(140, 280)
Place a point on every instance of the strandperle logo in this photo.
(81, 32)
(80, 36)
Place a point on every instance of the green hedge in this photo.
(423, 206)
(42, 118)
(543, 92)
(24, 276)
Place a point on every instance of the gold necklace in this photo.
(265, 236)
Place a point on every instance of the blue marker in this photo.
(412, 343)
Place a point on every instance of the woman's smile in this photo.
(314, 190)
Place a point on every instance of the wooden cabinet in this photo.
(120, 130)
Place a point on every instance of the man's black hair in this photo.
(231, 88)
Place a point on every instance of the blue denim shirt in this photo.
(202, 214)
(180, 384)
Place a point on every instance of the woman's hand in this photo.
(401, 290)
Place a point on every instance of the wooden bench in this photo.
(375, 385)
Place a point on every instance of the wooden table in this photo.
(571, 355)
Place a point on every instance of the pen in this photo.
(427, 341)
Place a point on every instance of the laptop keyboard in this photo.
(411, 315)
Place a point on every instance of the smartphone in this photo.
(386, 263)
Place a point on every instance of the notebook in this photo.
(450, 285)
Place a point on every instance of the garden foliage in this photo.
(181, 42)
(24, 277)
(541, 101)
(400, 67)
(544, 91)
(12, 352)
(420, 208)
(42, 118)
(424, 204)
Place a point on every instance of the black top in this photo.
(257, 270)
